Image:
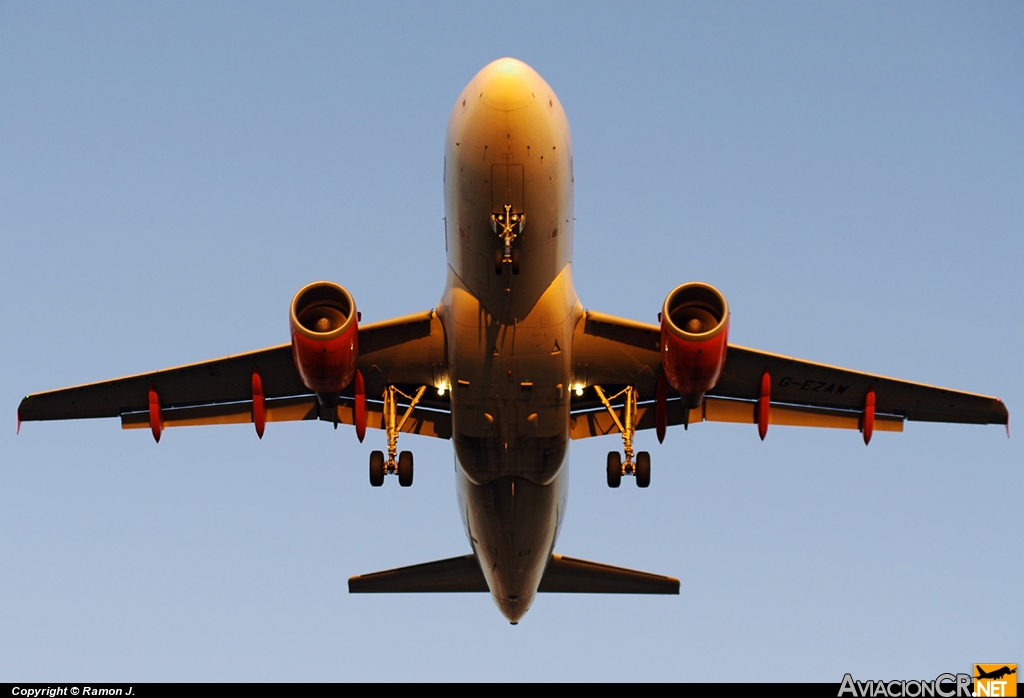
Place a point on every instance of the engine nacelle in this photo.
(694, 338)
(325, 337)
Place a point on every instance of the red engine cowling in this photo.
(325, 337)
(694, 338)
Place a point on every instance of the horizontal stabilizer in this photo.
(563, 575)
(568, 575)
(454, 574)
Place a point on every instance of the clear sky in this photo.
(850, 175)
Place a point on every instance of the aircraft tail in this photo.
(564, 575)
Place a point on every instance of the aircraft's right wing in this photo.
(798, 382)
(613, 352)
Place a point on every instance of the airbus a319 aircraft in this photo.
(510, 366)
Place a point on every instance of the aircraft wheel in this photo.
(376, 468)
(499, 261)
(614, 468)
(643, 469)
(515, 260)
(405, 468)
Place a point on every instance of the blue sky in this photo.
(849, 175)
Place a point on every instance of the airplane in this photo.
(994, 674)
(510, 367)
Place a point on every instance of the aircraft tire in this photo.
(405, 468)
(515, 260)
(614, 468)
(376, 468)
(643, 469)
(499, 261)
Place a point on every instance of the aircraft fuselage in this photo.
(508, 153)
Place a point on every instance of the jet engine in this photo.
(694, 338)
(325, 338)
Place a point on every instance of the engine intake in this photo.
(325, 337)
(694, 339)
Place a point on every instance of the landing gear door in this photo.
(507, 188)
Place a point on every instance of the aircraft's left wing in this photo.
(408, 351)
(613, 352)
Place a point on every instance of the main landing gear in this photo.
(508, 226)
(397, 463)
(617, 467)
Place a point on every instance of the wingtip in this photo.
(17, 427)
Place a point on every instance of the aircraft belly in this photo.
(512, 524)
(510, 383)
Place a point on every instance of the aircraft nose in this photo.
(507, 84)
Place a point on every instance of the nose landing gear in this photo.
(396, 463)
(617, 467)
(506, 256)
(508, 226)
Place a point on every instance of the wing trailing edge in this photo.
(425, 422)
(565, 575)
(585, 424)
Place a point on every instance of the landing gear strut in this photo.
(508, 226)
(397, 463)
(617, 467)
